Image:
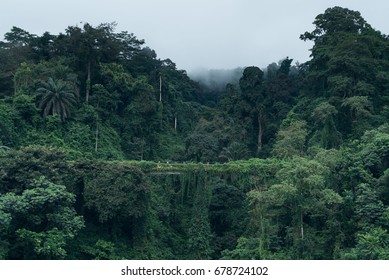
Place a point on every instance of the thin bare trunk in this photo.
(260, 131)
(88, 83)
(160, 101)
(97, 132)
(160, 88)
(175, 123)
(301, 224)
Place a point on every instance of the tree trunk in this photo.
(97, 132)
(301, 224)
(260, 132)
(88, 83)
(160, 88)
(175, 122)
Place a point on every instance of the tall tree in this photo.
(253, 100)
(14, 50)
(93, 45)
(334, 20)
(347, 58)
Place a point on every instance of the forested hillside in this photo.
(109, 152)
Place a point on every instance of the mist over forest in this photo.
(109, 152)
(216, 79)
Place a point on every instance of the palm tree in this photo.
(58, 97)
(235, 151)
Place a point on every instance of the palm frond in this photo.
(57, 97)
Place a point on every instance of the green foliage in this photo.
(57, 98)
(20, 167)
(291, 139)
(8, 131)
(25, 106)
(199, 232)
(368, 208)
(234, 151)
(227, 215)
(289, 162)
(202, 145)
(335, 20)
(246, 249)
(117, 198)
(41, 219)
(371, 245)
(299, 195)
(324, 117)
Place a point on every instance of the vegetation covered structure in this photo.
(107, 152)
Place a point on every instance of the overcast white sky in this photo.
(196, 33)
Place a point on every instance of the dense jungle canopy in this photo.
(108, 152)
